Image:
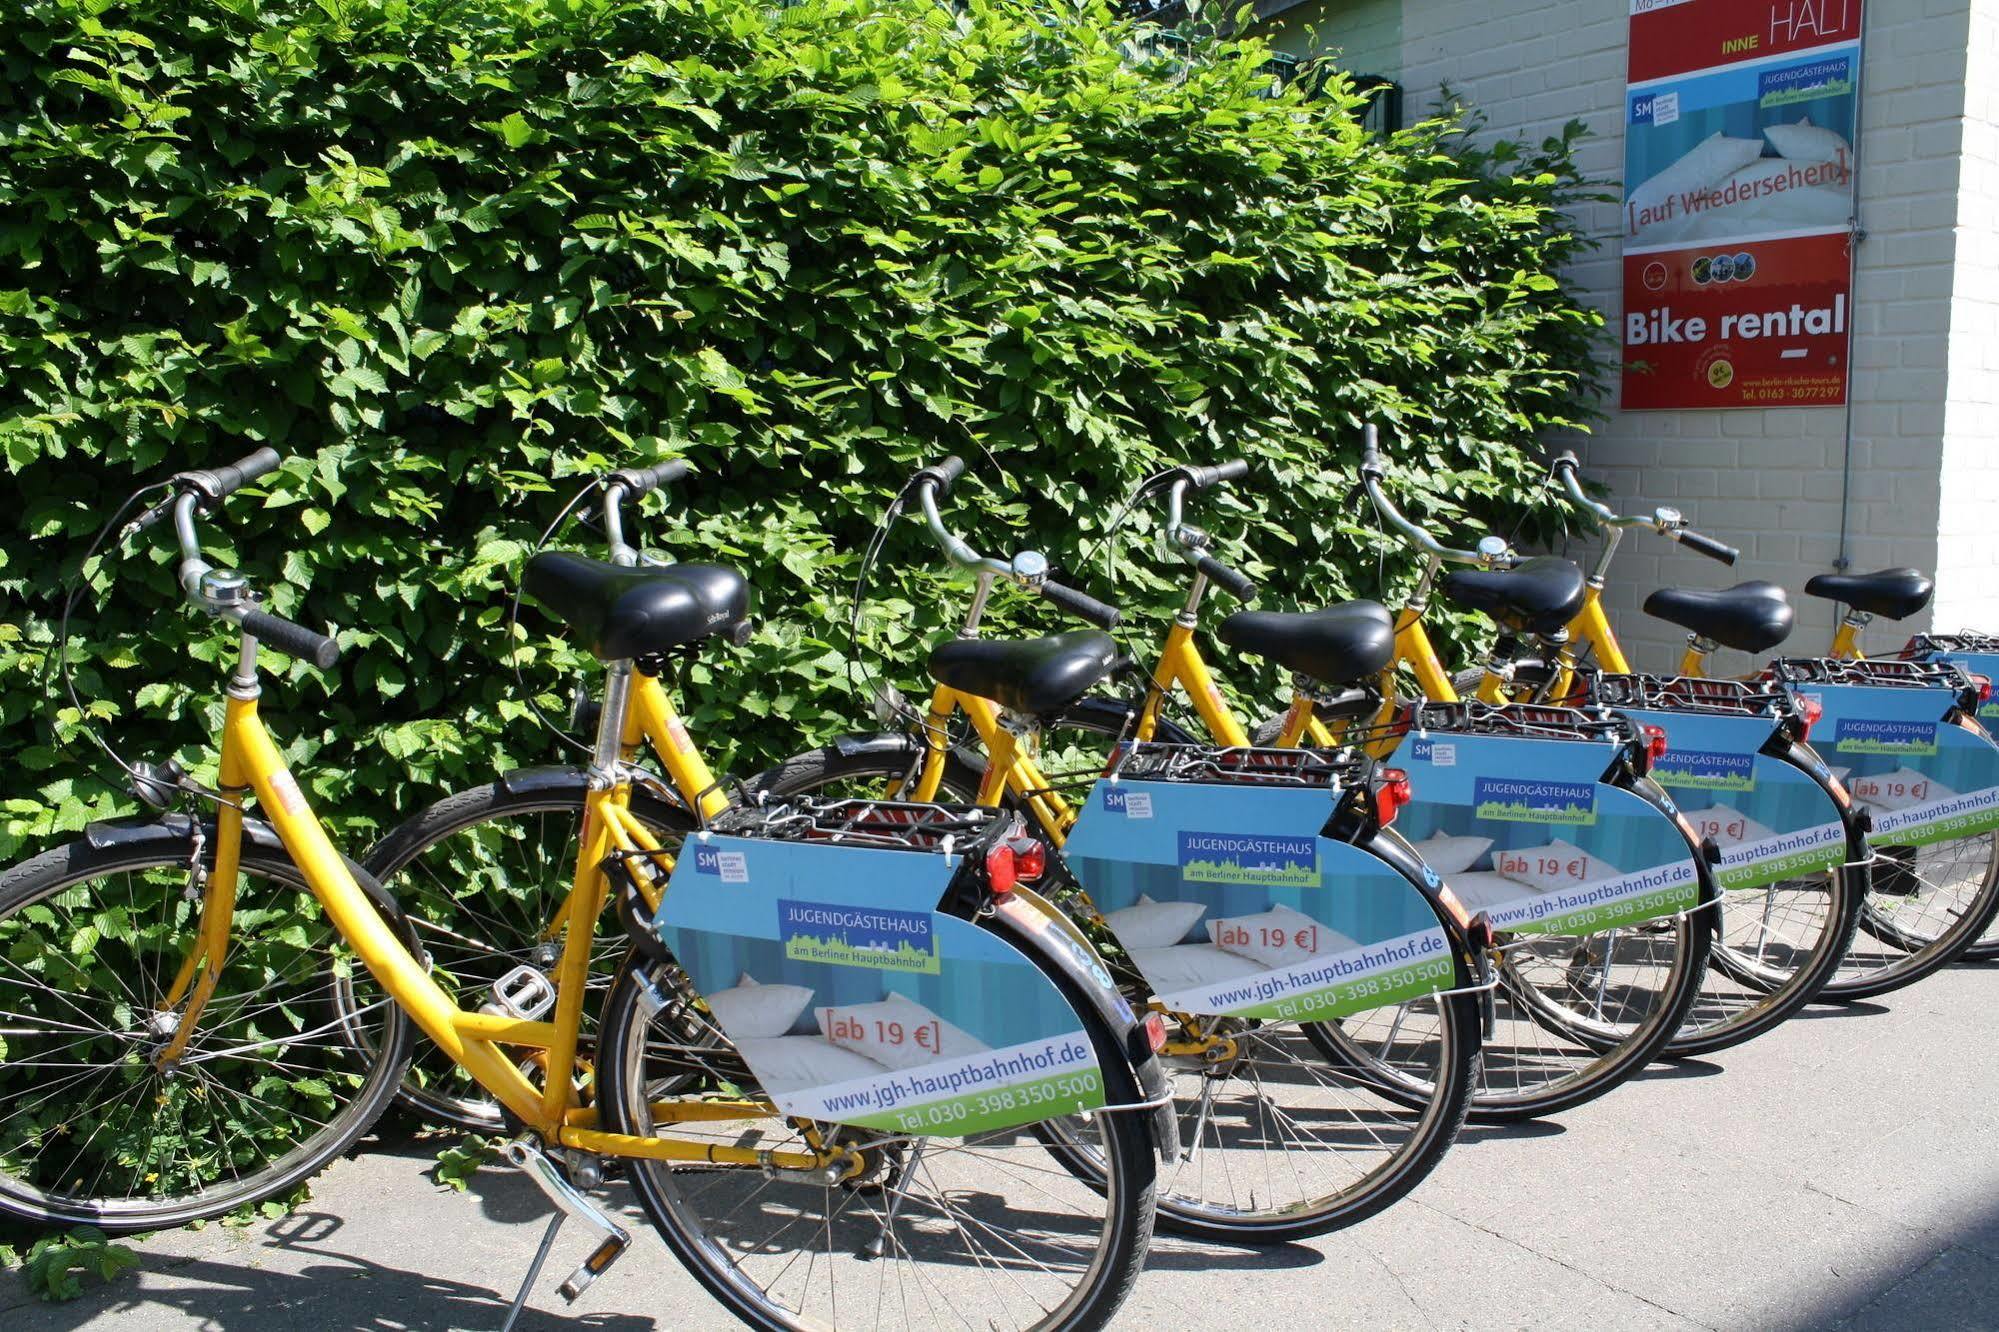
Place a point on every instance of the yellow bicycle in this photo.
(198, 1014)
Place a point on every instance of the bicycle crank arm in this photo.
(614, 1238)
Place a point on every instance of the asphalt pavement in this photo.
(1840, 1173)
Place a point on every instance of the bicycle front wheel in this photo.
(1928, 906)
(935, 1232)
(294, 1055)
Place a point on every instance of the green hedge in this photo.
(441, 253)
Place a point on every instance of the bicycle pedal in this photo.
(523, 993)
(613, 1239)
(593, 1267)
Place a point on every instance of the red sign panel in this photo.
(1738, 202)
(1678, 36)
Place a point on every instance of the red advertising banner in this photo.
(1738, 202)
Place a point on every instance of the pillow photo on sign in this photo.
(1554, 867)
(1191, 967)
(1486, 890)
(1806, 142)
(1277, 937)
(1727, 826)
(896, 1033)
(1150, 924)
(1450, 855)
(750, 1011)
(788, 1063)
(1661, 199)
(1900, 789)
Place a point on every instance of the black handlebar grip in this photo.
(221, 482)
(1708, 546)
(644, 480)
(1238, 585)
(943, 475)
(292, 639)
(1233, 470)
(1082, 605)
(1370, 450)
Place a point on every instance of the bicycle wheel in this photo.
(481, 874)
(935, 1232)
(1776, 948)
(1276, 1144)
(1929, 905)
(295, 1054)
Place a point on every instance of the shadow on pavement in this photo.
(1941, 1279)
(341, 1292)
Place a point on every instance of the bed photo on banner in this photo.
(1739, 177)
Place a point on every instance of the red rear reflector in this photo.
(1392, 791)
(1155, 1032)
(1984, 683)
(1809, 711)
(1655, 744)
(1030, 859)
(1001, 872)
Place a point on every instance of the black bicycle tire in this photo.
(1128, 1131)
(76, 862)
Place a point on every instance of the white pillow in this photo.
(1487, 891)
(1277, 937)
(757, 1012)
(1806, 142)
(1150, 924)
(1898, 789)
(1553, 867)
(792, 1063)
(897, 1033)
(1452, 855)
(1710, 162)
(1728, 826)
(1190, 967)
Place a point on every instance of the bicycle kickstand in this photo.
(569, 1202)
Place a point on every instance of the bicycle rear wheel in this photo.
(294, 1055)
(1276, 1144)
(935, 1232)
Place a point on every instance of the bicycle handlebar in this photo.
(1707, 545)
(1027, 569)
(941, 476)
(1667, 522)
(1238, 585)
(294, 639)
(639, 481)
(228, 596)
(1081, 605)
(632, 483)
(1371, 474)
(1191, 543)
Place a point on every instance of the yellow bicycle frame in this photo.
(250, 762)
(1180, 666)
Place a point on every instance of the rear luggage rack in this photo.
(1923, 644)
(1534, 721)
(891, 825)
(1221, 765)
(1686, 693)
(1871, 671)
